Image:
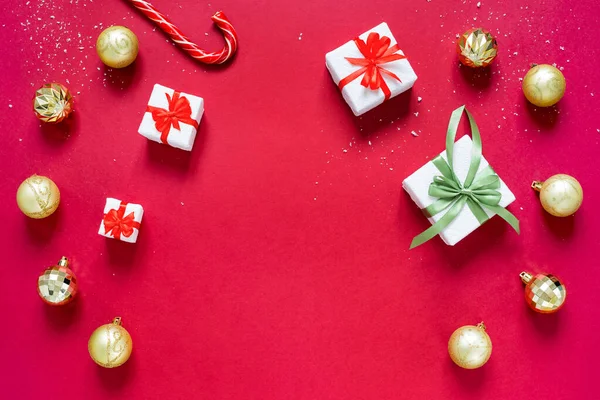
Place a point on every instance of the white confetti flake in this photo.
(415, 134)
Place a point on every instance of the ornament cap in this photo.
(537, 186)
(481, 326)
(526, 277)
(64, 262)
(117, 321)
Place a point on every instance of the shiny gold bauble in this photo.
(110, 345)
(544, 293)
(544, 85)
(476, 48)
(561, 195)
(52, 103)
(57, 285)
(470, 346)
(38, 197)
(117, 46)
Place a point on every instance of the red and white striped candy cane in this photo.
(184, 43)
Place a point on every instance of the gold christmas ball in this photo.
(470, 346)
(544, 85)
(544, 293)
(52, 103)
(38, 197)
(110, 345)
(57, 285)
(117, 46)
(561, 195)
(476, 48)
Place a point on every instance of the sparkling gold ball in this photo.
(470, 346)
(38, 197)
(117, 46)
(110, 345)
(544, 85)
(561, 195)
(57, 285)
(476, 48)
(544, 293)
(52, 103)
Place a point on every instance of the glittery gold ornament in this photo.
(561, 195)
(38, 197)
(470, 346)
(476, 48)
(117, 46)
(52, 103)
(57, 285)
(110, 345)
(544, 293)
(544, 85)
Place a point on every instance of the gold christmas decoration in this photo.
(110, 345)
(117, 46)
(52, 103)
(561, 195)
(38, 197)
(544, 85)
(476, 48)
(544, 293)
(470, 346)
(57, 285)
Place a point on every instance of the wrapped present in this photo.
(172, 117)
(121, 220)
(458, 190)
(370, 69)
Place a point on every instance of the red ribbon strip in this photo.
(116, 224)
(376, 51)
(179, 111)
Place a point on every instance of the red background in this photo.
(273, 259)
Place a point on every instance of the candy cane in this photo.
(184, 43)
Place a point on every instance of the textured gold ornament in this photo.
(38, 197)
(476, 48)
(544, 85)
(561, 195)
(544, 293)
(117, 46)
(470, 346)
(110, 345)
(52, 103)
(57, 285)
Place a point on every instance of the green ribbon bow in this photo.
(479, 190)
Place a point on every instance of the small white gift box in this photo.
(417, 186)
(121, 220)
(386, 72)
(172, 117)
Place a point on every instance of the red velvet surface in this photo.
(273, 259)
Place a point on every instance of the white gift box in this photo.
(417, 186)
(362, 99)
(121, 220)
(164, 98)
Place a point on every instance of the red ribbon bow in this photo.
(179, 111)
(376, 51)
(116, 224)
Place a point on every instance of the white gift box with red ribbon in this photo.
(121, 220)
(370, 69)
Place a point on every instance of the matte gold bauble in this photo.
(57, 285)
(544, 85)
(117, 46)
(544, 293)
(561, 195)
(110, 345)
(38, 197)
(52, 103)
(470, 346)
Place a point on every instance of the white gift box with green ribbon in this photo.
(469, 190)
